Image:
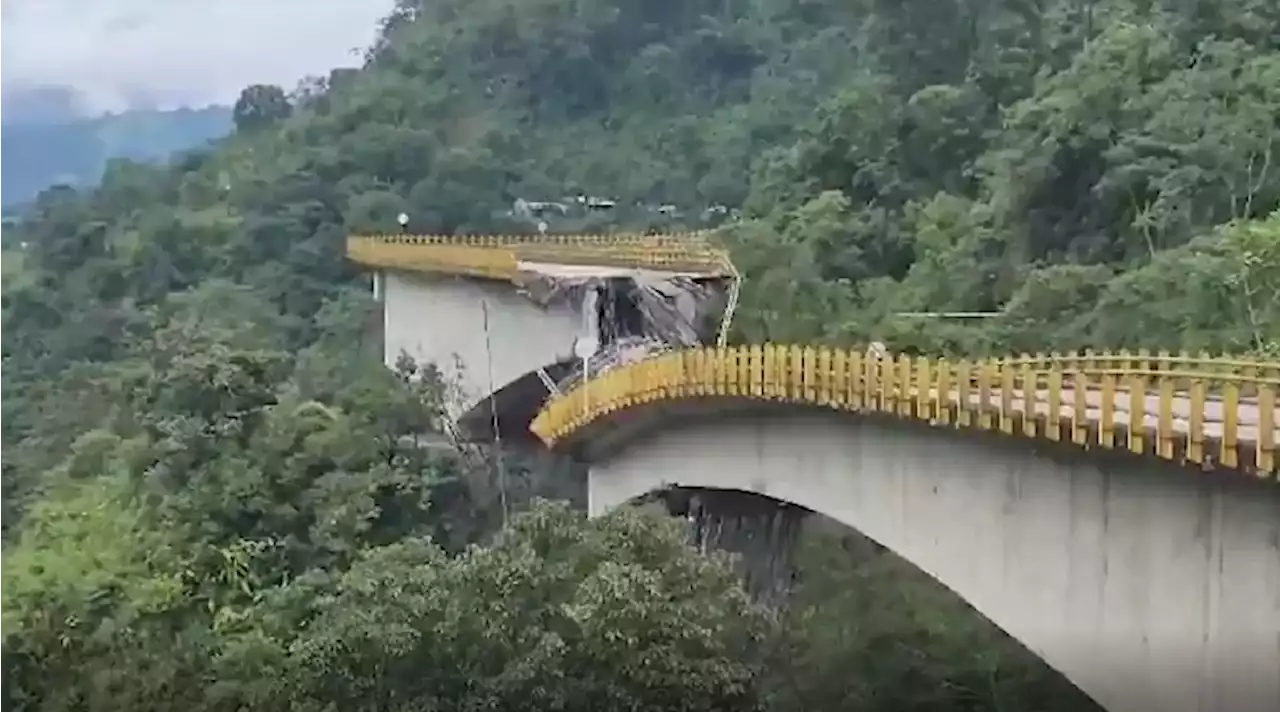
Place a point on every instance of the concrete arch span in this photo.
(1149, 586)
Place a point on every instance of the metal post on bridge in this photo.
(493, 414)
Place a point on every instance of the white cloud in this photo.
(179, 52)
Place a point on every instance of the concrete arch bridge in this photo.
(1119, 514)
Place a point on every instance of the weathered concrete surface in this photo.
(1149, 586)
(441, 320)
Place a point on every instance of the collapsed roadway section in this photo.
(627, 314)
(513, 320)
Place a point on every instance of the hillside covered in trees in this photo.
(216, 498)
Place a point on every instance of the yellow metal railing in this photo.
(498, 256)
(1201, 410)
(1154, 362)
(491, 262)
(598, 240)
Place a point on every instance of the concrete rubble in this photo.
(630, 314)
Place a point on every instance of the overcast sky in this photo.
(179, 52)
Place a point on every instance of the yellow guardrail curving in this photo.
(1210, 411)
(468, 260)
(498, 256)
(587, 239)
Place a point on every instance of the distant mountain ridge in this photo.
(47, 141)
(27, 105)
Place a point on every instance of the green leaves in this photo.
(260, 105)
(558, 613)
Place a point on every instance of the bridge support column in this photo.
(761, 533)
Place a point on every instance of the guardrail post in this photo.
(1053, 418)
(1137, 412)
(1195, 422)
(840, 385)
(924, 386)
(1164, 424)
(1107, 423)
(1080, 409)
(984, 394)
(942, 395)
(1030, 388)
(1266, 430)
(1230, 424)
(859, 381)
(1006, 398)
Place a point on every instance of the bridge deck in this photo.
(1205, 411)
(1213, 423)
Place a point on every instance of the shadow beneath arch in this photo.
(513, 406)
(863, 628)
(760, 532)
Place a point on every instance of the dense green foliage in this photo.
(217, 498)
(76, 151)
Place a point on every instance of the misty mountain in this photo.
(33, 105)
(47, 141)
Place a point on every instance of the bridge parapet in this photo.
(696, 238)
(507, 257)
(486, 262)
(1210, 411)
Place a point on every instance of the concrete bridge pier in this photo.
(482, 335)
(760, 532)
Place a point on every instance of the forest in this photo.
(216, 497)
